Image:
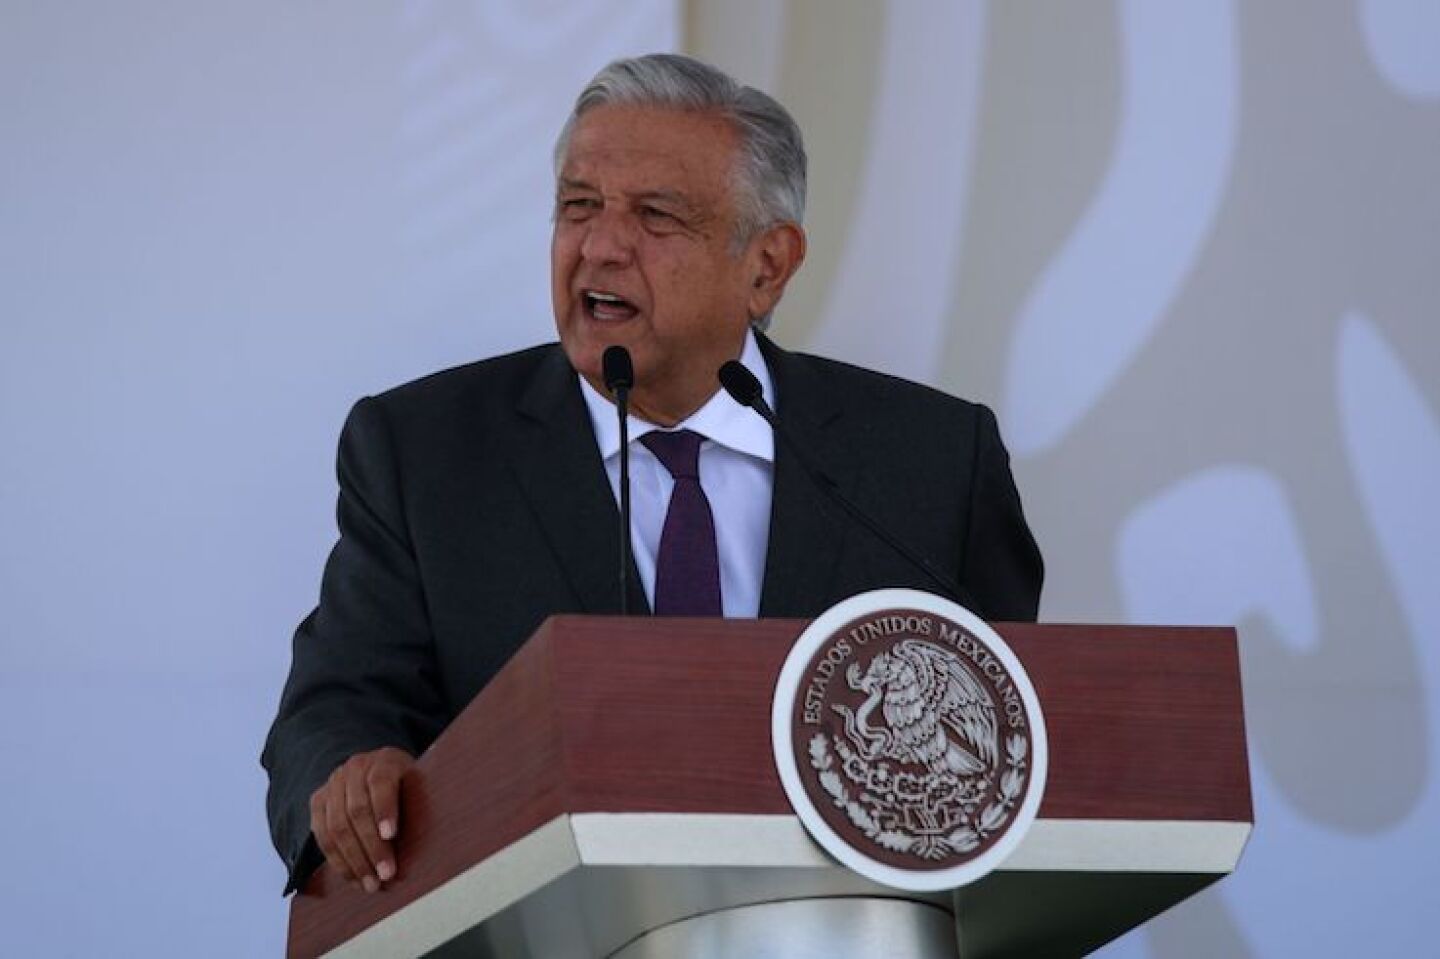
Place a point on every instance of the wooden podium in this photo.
(617, 778)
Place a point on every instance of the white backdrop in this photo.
(1187, 250)
(220, 224)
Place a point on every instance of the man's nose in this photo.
(609, 239)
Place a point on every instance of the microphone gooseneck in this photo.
(619, 374)
(745, 389)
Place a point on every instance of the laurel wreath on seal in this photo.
(939, 802)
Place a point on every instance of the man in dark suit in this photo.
(476, 502)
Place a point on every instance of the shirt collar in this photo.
(721, 419)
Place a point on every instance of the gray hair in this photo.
(770, 174)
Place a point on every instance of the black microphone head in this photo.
(740, 383)
(617, 369)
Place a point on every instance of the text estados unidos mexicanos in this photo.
(843, 648)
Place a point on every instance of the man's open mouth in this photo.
(607, 307)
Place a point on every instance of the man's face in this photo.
(642, 254)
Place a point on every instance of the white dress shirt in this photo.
(737, 472)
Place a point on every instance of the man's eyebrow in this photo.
(565, 183)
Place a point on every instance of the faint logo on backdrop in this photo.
(1190, 345)
(909, 740)
(1193, 268)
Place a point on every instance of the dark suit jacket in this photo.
(474, 504)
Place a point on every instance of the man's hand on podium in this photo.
(356, 814)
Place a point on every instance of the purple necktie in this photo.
(687, 571)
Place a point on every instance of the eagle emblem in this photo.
(909, 739)
(937, 714)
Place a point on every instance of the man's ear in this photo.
(775, 255)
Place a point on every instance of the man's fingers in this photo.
(357, 812)
(342, 834)
(323, 828)
(383, 786)
(361, 814)
(383, 782)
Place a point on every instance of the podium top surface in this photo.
(603, 715)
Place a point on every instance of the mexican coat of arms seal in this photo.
(909, 739)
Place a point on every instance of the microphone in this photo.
(619, 375)
(745, 389)
(618, 371)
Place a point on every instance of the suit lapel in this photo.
(807, 533)
(558, 465)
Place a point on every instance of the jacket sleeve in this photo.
(363, 673)
(1001, 565)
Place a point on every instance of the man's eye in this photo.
(575, 209)
(657, 216)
